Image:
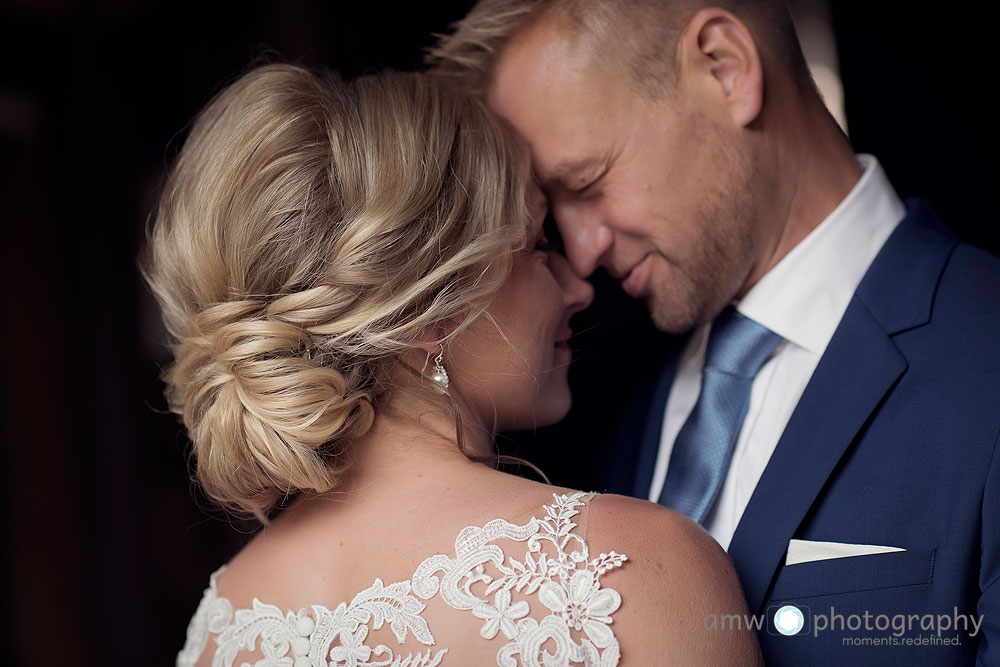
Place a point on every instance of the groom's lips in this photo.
(634, 281)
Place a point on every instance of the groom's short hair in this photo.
(640, 34)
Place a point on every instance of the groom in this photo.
(833, 412)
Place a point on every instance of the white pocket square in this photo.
(807, 551)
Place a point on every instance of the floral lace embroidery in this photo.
(310, 639)
(213, 615)
(566, 583)
(556, 566)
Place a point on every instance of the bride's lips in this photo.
(634, 282)
(563, 343)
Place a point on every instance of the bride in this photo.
(361, 294)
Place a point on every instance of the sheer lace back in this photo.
(534, 586)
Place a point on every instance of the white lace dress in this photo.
(552, 574)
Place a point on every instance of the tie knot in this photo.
(737, 345)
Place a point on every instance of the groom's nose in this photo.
(586, 239)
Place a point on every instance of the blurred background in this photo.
(107, 546)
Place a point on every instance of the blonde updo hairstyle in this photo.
(308, 232)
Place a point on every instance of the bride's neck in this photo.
(414, 437)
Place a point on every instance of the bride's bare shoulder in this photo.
(662, 545)
(676, 577)
(647, 527)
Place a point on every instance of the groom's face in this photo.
(657, 191)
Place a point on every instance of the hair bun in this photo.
(263, 417)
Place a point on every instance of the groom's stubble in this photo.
(716, 269)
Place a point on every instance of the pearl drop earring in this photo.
(440, 375)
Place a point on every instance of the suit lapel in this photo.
(835, 405)
(859, 368)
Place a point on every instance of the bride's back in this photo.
(486, 569)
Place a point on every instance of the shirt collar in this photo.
(804, 296)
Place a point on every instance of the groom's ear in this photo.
(718, 59)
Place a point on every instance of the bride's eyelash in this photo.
(546, 238)
(550, 232)
(544, 245)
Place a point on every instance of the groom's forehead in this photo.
(558, 141)
(562, 104)
(544, 75)
(556, 69)
(593, 39)
(546, 51)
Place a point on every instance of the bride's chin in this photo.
(548, 410)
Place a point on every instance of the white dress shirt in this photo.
(802, 299)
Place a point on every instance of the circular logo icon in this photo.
(789, 620)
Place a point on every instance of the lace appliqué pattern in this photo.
(566, 581)
(557, 567)
(310, 639)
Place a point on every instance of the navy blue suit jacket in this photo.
(894, 442)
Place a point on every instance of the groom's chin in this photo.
(670, 316)
(673, 304)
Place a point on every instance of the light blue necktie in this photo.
(737, 348)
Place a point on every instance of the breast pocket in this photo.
(854, 574)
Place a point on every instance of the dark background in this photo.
(107, 546)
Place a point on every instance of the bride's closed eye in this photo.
(551, 235)
(547, 240)
(543, 244)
